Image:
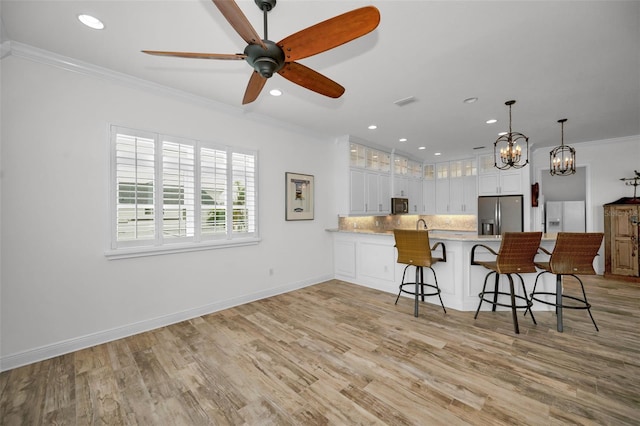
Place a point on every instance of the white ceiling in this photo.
(558, 59)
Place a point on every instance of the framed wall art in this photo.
(299, 196)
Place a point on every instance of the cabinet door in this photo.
(400, 186)
(372, 202)
(357, 191)
(624, 240)
(456, 196)
(415, 196)
(384, 187)
(429, 196)
(511, 182)
(470, 194)
(488, 183)
(442, 196)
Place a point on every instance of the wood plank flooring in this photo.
(340, 354)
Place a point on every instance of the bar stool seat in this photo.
(414, 250)
(572, 254)
(515, 257)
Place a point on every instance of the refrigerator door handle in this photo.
(498, 217)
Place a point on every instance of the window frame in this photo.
(161, 244)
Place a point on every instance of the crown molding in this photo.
(623, 139)
(46, 57)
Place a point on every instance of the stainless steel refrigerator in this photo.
(565, 216)
(500, 214)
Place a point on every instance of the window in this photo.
(171, 194)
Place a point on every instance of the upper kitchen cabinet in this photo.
(463, 186)
(493, 181)
(407, 182)
(369, 180)
(456, 187)
(442, 188)
(429, 189)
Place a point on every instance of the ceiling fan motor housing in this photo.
(265, 62)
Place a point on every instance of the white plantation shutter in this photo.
(178, 189)
(135, 184)
(244, 192)
(169, 190)
(213, 194)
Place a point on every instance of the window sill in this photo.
(126, 253)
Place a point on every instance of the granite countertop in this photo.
(447, 235)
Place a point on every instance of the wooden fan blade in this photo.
(256, 83)
(231, 56)
(330, 33)
(239, 21)
(310, 79)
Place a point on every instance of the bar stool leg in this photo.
(435, 279)
(559, 302)
(586, 302)
(401, 282)
(514, 314)
(495, 295)
(481, 295)
(529, 302)
(415, 305)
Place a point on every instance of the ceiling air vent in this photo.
(405, 101)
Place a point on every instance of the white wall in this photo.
(606, 161)
(58, 291)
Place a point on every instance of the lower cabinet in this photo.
(366, 259)
(370, 260)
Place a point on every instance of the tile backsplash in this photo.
(405, 221)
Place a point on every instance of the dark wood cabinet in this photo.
(621, 229)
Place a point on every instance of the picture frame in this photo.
(299, 190)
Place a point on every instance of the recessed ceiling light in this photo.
(402, 139)
(437, 153)
(470, 100)
(372, 127)
(502, 133)
(422, 147)
(91, 22)
(491, 121)
(275, 92)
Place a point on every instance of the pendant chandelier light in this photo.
(562, 159)
(507, 152)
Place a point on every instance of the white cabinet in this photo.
(429, 189)
(400, 186)
(369, 180)
(463, 183)
(369, 192)
(456, 187)
(493, 181)
(415, 196)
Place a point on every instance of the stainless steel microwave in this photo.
(399, 205)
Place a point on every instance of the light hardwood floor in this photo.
(337, 353)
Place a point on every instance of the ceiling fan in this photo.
(267, 57)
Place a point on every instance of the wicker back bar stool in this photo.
(414, 250)
(515, 257)
(573, 254)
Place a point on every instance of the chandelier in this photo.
(507, 152)
(562, 159)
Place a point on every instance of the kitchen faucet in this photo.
(423, 222)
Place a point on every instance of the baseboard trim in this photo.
(9, 362)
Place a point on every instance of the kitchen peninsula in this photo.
(368, 258)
